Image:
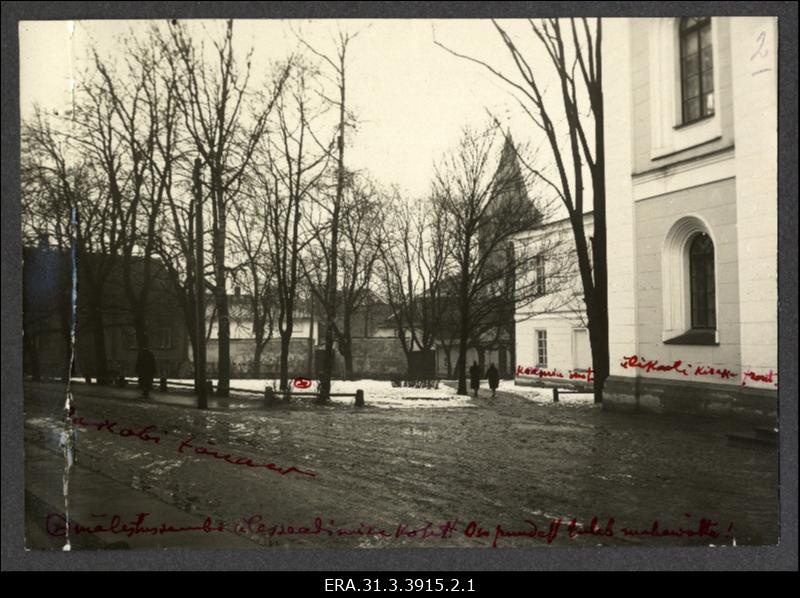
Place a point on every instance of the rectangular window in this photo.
(697, 69)
(129, 338)
(164, 337)
(540, 281)
(541, 348)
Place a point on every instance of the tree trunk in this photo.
(325, 386)
(463, 338)
(502, 364)
(459, 363)
(286, 337)
(221, 294)
(346, 349)
(598, 339)
(327, 367)
(513, 351)
(600, 354)
(463, 329)
(311, 347)
(259, 351)
(408, 364)
(139, 325)
(448, 356)
(346, 344)
(99, 338)
(136, 302)
(224, 345)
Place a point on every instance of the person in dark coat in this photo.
(475, 377)
(493, 376)
(145, 369)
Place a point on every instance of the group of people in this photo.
(492, 376)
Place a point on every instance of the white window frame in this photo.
(668, 134)
(539, 363)
(676, 283)
(540, 275)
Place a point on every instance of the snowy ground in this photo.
(377, 393)
(545, 395)
(381, 393)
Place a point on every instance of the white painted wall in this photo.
(619, 130)
(562, 353)
(733, 189)
(755, 72)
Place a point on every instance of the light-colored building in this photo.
(551, 329)
(691, 180)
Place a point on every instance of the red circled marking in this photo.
(301, 382)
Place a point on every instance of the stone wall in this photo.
(375, 358)
(754, 405)
(243, 350)
(372, 358)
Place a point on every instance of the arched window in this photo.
(697, 69)
(701, 281)
(689, 284)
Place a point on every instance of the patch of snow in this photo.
(377, 393)
(545, 395)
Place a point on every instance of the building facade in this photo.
(552, 335)
(691, 191)
(103, 323)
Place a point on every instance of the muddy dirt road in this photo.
(499, 473)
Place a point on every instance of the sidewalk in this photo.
(94, 499)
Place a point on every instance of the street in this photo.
(506, 473)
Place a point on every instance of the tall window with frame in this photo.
(702, 282)
(697, 69)
(165, 337)
(539, 282)
(129, 338)
(541, 348)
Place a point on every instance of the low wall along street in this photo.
(372, 358)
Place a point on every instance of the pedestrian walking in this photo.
(145, 368)
(493, 377)
(475, 377)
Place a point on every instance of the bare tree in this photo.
(576, 57)
(285, 176)
(212, 95)
(46, 238)
(65, 178)
(143, 98)
(361, 224)
(413, 266)
(485, 205)
(254, 272)
(338, 64)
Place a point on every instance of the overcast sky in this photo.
(411, 97)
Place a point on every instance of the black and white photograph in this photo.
(400, 283)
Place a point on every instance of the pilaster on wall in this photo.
(617, 94)
(755, 71)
